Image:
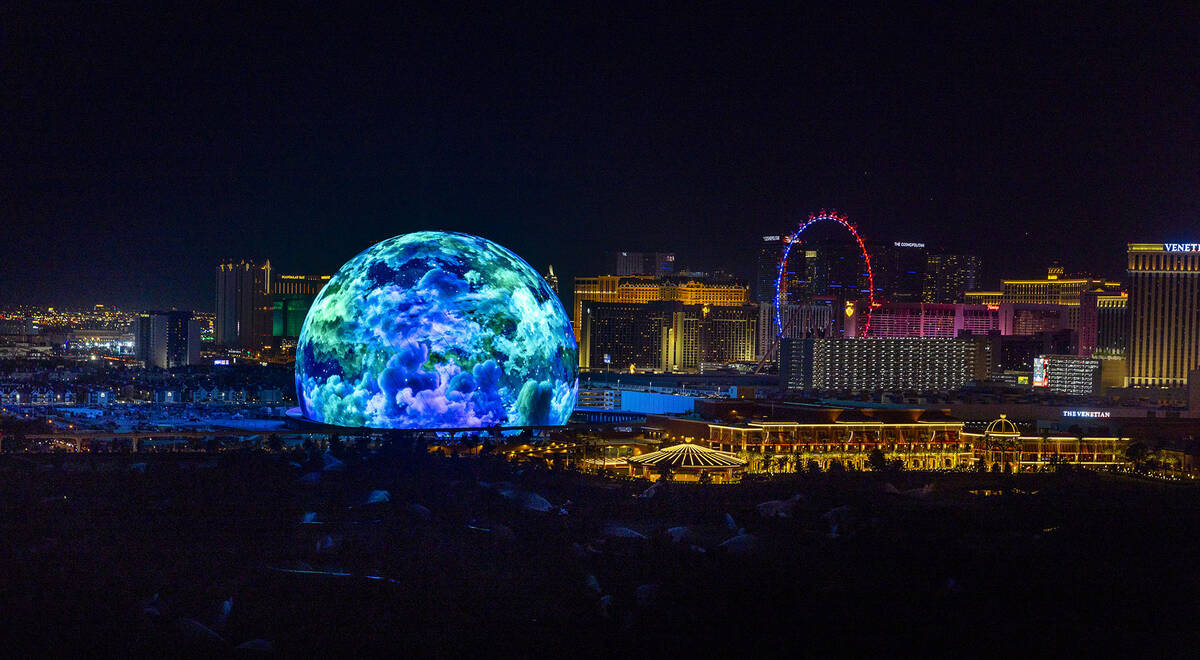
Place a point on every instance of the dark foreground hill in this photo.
(396, 554)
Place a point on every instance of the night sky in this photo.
(138, 149)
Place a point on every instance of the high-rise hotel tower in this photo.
(243, 304)
(1164, 313)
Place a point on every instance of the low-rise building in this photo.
(1004, 445)
(794, 437)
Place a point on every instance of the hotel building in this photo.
(1112, 324)
(899, 270)
(665, 335)
(1056, 289)
(766, 271)
(1067, 374)
(656, 264)
(1164, 313)
(883, 364)
(291, 297)
(921, 320)
(167, 339)
(799, 321)
(243, 304)
(948, 277)
(635, 289)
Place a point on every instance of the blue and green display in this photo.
(437, 330)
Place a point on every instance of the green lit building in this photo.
(291, 296)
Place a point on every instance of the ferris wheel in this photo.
(781, 280)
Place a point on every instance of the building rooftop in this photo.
(688, 456)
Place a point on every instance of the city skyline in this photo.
(557, 330)
(164, 142)
(985, 287)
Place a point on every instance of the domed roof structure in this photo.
(435, 330)
(1002, 427)
(688, 456)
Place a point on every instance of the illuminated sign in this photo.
(849, 308)
(900, 244)
(1087, 413)
(771, 238)
(1022, 380)
(221, 362)
(1181, 247)
(1039, 373)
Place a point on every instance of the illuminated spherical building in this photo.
(437, 330)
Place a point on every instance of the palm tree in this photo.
(1136, 453)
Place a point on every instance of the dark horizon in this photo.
(145, 147)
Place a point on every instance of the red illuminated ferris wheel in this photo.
(781, 281)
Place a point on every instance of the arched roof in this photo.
(1002, 426)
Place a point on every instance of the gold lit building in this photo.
(665, 336)
(648, 288)
(688, 462)
(1071, 293)
(1164, 313)
(703, 321)
(920, 439)
(1004, 445)
(1056, 289)
(934, 445)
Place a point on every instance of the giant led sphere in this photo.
(437, 330)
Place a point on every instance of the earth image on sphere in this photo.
(437, 330)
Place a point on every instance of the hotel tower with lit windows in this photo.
(1164, 313)
(674, 323)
